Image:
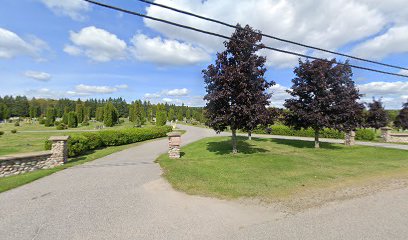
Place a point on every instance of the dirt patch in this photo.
(318, 197)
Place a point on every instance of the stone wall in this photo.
(28, 162)
(388, 136)
(23, 163)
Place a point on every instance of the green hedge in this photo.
(78, 144)
(361, 134)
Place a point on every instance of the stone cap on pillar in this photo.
(59, 138)
(174, 134)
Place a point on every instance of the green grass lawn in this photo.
(271, 168)
(23, 141)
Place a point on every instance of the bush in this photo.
(85, 123)
(13, 131)
(365, 134)
(288, 131)
(80, 143)
(42, 121)
(17, 124)
(62, 126)
(1, 133)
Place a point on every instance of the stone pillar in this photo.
(59, 150)
(386, 134)
(350, 138)
(174, 144)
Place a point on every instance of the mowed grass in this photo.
(27, 141)
(271, 168)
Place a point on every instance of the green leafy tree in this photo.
(188, 114)
(180, 115)
(110, 115)
(34, 111)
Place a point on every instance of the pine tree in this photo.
(161, 118)
(110, 116)
(72, 119)
(50, 117)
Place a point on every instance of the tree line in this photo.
(108, 111)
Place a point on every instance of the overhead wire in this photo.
(229, 38)
(271, 36)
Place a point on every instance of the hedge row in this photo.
(361, 134)
(78, 144)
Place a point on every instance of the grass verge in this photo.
(271, 169)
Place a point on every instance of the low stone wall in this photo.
(23, 163)
(388, 136)
(28, 162)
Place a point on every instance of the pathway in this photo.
(122, 196)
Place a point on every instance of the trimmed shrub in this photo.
(17, 124)
(1, 133)
(13, 131)
(85, 123)
(288, 131)
(78, 144)
(62, 126)
(365, 134)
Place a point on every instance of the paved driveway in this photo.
(122, 196)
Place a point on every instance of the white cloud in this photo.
(82, 88)
(329, 24)
(393, 41)
(177, 92)
(40, 76)
(12, 45)
(152, 95)
(97, 44)
(166, 52)
(279, 95)
(122, 86)
(393, 93)
(72, 50)
(71, 8)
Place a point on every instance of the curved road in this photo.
(122, 196)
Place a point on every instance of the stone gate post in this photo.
(386, 134)
(174, 144)
(59, 149)
(350, 138)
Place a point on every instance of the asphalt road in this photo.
(122, 196)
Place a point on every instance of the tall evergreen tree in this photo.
(80, 111)
(110, 115)
(72, 118)
(161, 117)
(50, 117)
(235, 84)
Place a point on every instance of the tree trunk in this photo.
(249, 135)
(234, 141)
(317, 143)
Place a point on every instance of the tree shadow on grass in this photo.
(225, 147)
(304, 144)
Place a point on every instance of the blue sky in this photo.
(61, 48)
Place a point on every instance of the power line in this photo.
(270, 36)
(229, 38)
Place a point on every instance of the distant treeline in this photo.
(21, 106)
